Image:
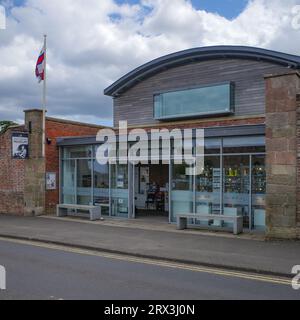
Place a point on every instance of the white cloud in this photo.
(93, 44)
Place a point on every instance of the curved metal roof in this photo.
(199, 54)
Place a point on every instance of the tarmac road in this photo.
(49, 272)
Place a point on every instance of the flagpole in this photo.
(44, 97)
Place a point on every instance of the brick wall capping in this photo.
(277, 75)
(16, 127)
(75, 123)
(34, 110)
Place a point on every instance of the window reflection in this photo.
(194, 102)
(68, 182)
(119, 192)
(259, 192)
(84, 182)
(77, 152)
(237, 187)
(182, 190)
(208, 187)
(101, 185)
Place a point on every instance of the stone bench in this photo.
(182, 220)
(64, 210)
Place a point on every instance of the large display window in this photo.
(233, 182)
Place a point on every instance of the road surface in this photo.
(48, 272)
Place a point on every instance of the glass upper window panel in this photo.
(77, 152)
(210, 100)
(254, 144)
(213, 146)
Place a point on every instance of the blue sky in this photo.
(226, 8)
(87, 55)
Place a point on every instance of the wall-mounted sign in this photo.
(50, 181)
(20, 145)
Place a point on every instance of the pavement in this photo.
(250, 254)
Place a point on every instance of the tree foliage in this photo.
(4, 125)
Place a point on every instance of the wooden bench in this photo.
(182, 220)
(64, 210)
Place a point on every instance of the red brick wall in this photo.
(11, 177)
(54, 130)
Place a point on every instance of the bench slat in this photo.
(208, 216)
(182, 220)
(94, 211)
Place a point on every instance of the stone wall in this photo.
(282, 156)
(34, 189)
(298, 162)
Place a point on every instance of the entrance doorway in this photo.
(151, 191)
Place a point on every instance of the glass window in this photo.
(119, 191)
(68, 182)
(259, 192)
(208, 188)
(84, 182)
(182, 191)
(77, 152)
(101, 185)
(254, 144)
(209, 100)
(212, 146)
(237, 187)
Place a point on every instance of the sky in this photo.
(93, 43)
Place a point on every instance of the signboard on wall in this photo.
(50, 181)
(20, 145)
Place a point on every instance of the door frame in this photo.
(133, 186)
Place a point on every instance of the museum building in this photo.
(246, 100)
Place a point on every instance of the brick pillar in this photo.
(35, 166)
(282, 156)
